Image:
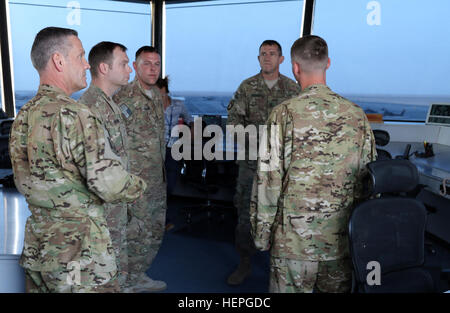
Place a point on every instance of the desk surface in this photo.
(441, 159)
(436, 167)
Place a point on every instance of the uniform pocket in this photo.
(51, 245)
(317, 236)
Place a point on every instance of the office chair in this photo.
(382, 138)
(390, 230)
(204, 176)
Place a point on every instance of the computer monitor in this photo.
(438, 114)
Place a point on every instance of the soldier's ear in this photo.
(281, 59)
(296, 69)
(58, 61)
(103, 68)
(328, 63)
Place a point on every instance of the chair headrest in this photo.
(381, 137)
(392, 176)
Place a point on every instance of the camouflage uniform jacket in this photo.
(58, 149)
(253, 102)
(306, 188)
(109, 113)
(144, 118)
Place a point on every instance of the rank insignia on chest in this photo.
(125, 111)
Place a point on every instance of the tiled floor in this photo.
(199, 258)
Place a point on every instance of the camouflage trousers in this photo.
(243, 239)
(116, 219)
(299, 276)
(145, 230)
(63, 282)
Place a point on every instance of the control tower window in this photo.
(127, 23)
(212, 46)
(390, 57)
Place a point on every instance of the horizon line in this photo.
(231, 92)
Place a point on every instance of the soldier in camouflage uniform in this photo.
(64, 166)
(109, 71)
(141, 105)
(307, 186)
(251, 105)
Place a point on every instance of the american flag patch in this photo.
(125, 110)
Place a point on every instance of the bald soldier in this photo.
(109, 71)
(306, 188)
(64, 166)
(142, 108)
(251, 105)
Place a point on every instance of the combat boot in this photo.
(241, 273)
(145, 284)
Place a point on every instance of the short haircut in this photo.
(270, 42)
(49, 41)
(163, 83)
(145, 49)
(103, 53)
(311, 52)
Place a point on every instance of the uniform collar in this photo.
(49, 88)
(97, 91)
(316, 87)
(279, 82)
(137, 85)
(262, 77)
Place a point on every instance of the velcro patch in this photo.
(125, 111)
